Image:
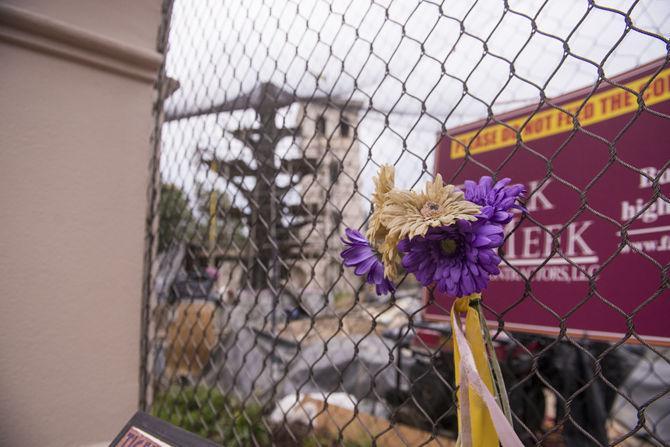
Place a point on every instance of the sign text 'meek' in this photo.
(586, 185)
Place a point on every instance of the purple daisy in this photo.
(458, 259)
(497, 200)
(361, 255)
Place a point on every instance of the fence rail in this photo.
(273, 116)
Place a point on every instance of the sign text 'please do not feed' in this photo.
(584, 186)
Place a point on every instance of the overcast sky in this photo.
(397, 57)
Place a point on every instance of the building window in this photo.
(336, 218)
(345, 128)
(321, 125)
(334, 168)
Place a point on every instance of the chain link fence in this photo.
(272, 118)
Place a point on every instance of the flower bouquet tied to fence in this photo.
(447, 238)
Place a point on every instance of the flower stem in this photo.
(501, 390)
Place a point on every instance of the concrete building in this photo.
(328, 136)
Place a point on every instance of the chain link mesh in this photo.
(272, 118)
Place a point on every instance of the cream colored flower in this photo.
(410, 214)
(377, 233)
(390, 257)
(384, 182)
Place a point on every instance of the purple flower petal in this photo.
(356, 255)
(360, 255)
(355, 236)
(376, 275)
(500, 197)
(365, 266)
(460, 266)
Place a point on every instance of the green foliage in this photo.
(211, 415)
(325, 441)
(175, 215)
(181, 221)
(208, 413)
(246, 426)
(227, 226)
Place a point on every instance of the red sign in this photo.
(136, 437)
(584, 188)
(144, 430)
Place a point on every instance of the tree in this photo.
(227, 225)
(175, 216)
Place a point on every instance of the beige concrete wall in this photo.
(75, 122)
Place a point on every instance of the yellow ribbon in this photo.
(475, 425)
